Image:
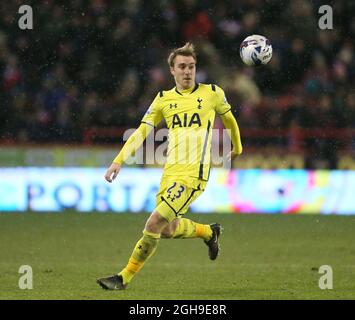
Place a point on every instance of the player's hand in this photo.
(112, 172)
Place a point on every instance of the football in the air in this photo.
(255, 50)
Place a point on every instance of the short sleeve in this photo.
(153, 116)
(222, 105)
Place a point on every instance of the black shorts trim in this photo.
(163, 199)
(188, 199)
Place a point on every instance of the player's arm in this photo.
(223, 108)
(230, 123)
(150, 120)
(130, 147)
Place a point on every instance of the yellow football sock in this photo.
(190, 229)
(144, 249)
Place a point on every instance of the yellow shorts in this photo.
(176, 194)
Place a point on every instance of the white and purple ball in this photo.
(255, 50)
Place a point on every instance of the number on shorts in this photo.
(176, 195)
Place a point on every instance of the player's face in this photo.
(184, 72)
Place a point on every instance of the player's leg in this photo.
(144, 248)
(183, 228)
(187, 229)
(169, 230)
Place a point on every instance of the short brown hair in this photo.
(188, 50)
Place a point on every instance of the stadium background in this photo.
(88, 71)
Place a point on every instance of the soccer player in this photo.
(189, 109)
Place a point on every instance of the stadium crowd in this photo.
(100, 63)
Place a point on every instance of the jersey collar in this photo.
(190, 90)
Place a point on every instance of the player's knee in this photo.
(167, 232)
(156, 223)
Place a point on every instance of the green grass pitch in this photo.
(262, 257)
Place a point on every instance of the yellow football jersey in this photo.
(189, 115)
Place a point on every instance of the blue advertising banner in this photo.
(134, 190)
